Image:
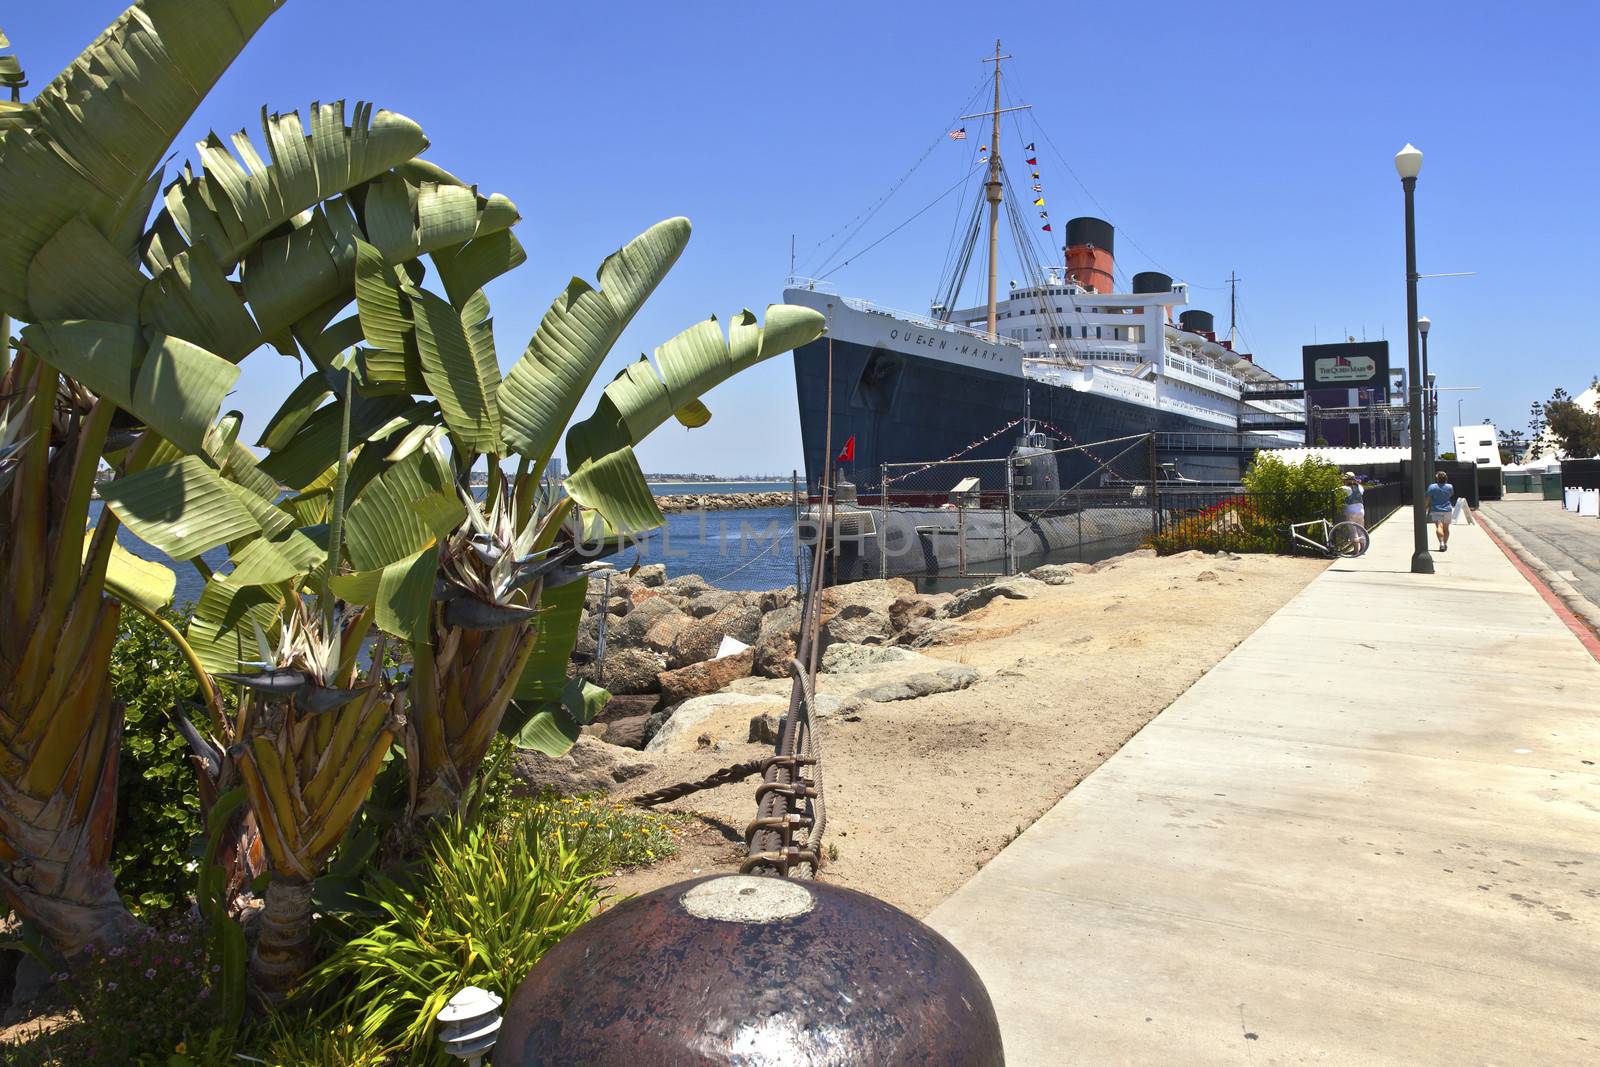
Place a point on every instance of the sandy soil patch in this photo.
(921, 793)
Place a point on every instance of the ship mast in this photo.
(992, 192)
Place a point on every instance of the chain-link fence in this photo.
(959, 520)
(982, 518)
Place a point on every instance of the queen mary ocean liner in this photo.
(1060, 360)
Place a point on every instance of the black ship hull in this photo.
(904, 408)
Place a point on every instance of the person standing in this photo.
(1440, 495)
(1355, 509)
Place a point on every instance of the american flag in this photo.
(959, 135)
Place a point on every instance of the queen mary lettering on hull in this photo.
(1060, 360)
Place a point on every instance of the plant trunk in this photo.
(60, 729)
(283, 947)
(56, 829)
(460, 691)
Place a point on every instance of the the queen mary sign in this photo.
(1357, 365)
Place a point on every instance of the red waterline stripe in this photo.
(1565, 614)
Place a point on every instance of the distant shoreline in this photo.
(727, 481)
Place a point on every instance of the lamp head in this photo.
(1408, 161)
(1422, 325)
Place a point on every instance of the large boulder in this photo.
(969, 600)
(726, 715)
(1058, 573)
(777, 641)
(701, 638)
(593, 766)
(627, 732)
(628, 670)
(687, 586)
(711, 601)
(773, 599)
(665, 630)
(629, 631)
(650, 575)
(857, 624)
(588, 638)
(848, 658)
(1116, 561)
(700, 679)
(920, 685)
(905, 608)
(875, 593)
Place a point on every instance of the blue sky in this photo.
(1254, 138)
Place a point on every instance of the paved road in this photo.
(1565, 542)
(1367, 836)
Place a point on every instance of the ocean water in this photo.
(692, 488)
(751, 549)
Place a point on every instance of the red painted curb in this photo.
(1588, 637)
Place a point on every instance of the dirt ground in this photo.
(921, 793)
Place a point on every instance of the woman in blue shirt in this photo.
(1440, 494)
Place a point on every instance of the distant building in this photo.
(1479, 443)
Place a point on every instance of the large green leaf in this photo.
(545, 674)
(315, 447)
(183, 508)
(172, 386)
(400, 592)
(466, 268)
(400, 512)
(543, 388)
(220, 631)
(458, 363)
(137, 581)
(296, 280)
(555, 728)
(102, 126)
(299, 406)
(78, 274)
(385, 320)
(614, 486)
(237, 201)
(263, 562)
(643, 397)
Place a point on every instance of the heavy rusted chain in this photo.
(737, 772)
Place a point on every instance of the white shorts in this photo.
(1439, 516)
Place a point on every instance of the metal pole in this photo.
(883, 525)
(1429, 414)
(600, 636)
(1421, 560)
(1011, 508)
(1155, 503)
(794, 489)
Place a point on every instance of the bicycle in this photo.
(1345, 540)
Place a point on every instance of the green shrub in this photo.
(1283, 493)
(1276, 494)
(489, 900)
(158, 809)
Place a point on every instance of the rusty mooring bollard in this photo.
(748, 970)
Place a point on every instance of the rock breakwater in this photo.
(681, 502)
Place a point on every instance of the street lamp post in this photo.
(1430, 399)
(1408, 163)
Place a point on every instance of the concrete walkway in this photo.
(1370, 835)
